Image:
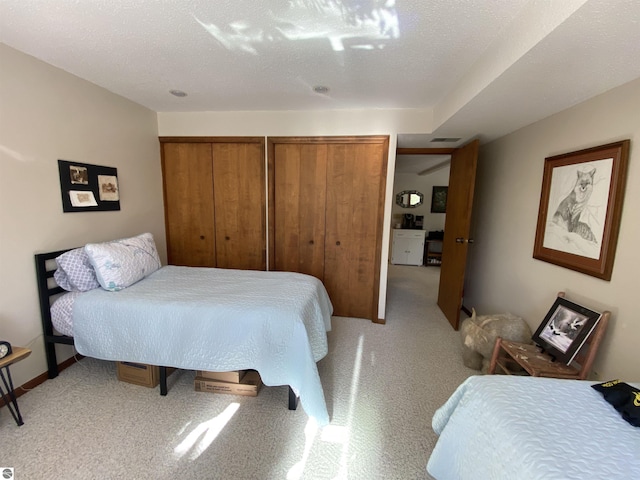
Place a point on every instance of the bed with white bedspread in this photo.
(508, 427)
(122, 305)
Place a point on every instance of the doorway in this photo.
(424, 172)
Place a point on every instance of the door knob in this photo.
(471, 240)
(459, 240)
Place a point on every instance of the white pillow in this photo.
(122, 263)
(75, 272)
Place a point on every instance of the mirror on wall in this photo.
(409, 198)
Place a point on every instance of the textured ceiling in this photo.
(481, 68)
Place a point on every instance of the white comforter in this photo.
(502, 427)
(218, 320)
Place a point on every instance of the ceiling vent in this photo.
(445, 140)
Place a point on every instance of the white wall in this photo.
(423, 184)
(314, 123)
(46, 115)
(503, 274)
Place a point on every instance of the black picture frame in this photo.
(439, 199)
(88, 188)
(564, 329)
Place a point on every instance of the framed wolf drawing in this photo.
(580, 208)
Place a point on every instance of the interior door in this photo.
(356, 177)
(240, 200)
(300, 179)
(189, 210)
(462, 179)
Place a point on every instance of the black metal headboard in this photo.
(47, 288)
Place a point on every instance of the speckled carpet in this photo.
(382, 384)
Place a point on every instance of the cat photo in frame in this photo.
(580, 208)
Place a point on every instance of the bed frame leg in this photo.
(293, 400)
(52, 361)
(163, 381)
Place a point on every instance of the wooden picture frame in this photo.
(439, 199)
(580, 208)
(564, 330)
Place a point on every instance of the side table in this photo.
(18, 353)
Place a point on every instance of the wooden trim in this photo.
(334, 140)
(271, 200)
(380, 321)
(211, 139)
(40, 379)
(425, 151)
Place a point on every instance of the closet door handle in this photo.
(201, 237)
(310, 242)
(338, 243)
(227, 238)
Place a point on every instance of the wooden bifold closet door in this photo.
(215, 201)
(327, 205)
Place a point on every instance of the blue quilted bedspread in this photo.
(503, 427)
(218, 320)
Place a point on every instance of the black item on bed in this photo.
(623, 397)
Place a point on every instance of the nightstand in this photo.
(18, 353)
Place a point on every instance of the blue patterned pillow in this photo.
(122, 263)
(75, 272)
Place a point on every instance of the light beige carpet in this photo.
(382, 384)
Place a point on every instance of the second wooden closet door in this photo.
(239, 198)
(328, 202)
(300, 193)
(356, 176)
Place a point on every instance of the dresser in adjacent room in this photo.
(408, 247)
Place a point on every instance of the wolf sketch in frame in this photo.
(571, 207)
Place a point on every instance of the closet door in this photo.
(300, 172)
(187, 170)
(240, 203)
(356, 179)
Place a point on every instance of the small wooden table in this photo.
(17, 354)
